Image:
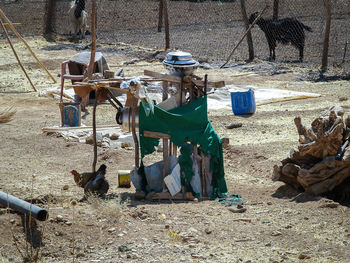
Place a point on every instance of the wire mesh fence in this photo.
(208, 29)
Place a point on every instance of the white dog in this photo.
(78, 18)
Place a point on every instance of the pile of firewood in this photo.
(321, 163)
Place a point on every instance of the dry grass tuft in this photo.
(6, 115)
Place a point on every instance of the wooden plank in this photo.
(178, 196)
(157, 135)
(164, 77)
(59, 129)
(211, 84)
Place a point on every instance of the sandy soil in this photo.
(283, 225)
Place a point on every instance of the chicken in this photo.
(93, 183)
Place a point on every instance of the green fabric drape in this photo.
(186, 123)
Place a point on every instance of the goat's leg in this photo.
(301, 53)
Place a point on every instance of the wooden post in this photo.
(245, 34)
(93, 40)
(249, 35)
(165, 159)
(327, 4)
(166, 24)
(165, 90)
(133, 130)
(14, 52)
(94, 132)
(160, 16)
(3, 16)
(275, 9)
(50, 17)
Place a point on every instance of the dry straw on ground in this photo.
(6, 115)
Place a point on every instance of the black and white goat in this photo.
(285, 31)
(78, 18)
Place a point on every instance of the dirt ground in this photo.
(280, 224)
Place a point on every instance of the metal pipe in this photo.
(22, 206)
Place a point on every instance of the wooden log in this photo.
(3, 16)
(14, 52)
(329, 184)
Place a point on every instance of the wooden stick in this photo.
(245, 34)
(25, 43)
(94, 132)
(14, 24)
(14, 52)
(93, 40)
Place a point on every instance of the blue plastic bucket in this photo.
(70, 114)
(243, 102)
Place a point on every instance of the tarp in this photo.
(188, 123)
(221, 98)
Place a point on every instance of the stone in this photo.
(225, 142)
(68, 223)
(126, 144)
(59, 218)
(111, 230)
(65, 187)
(304, 256)
(276, 233)
(114, 136)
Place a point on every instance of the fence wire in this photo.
(208, 29)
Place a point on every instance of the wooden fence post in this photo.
(160, 16)
(326, 36)
(249, 35)
(275, 9)
(93, 40)
(166, 24)
(50, 18)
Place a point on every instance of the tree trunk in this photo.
(249, 35)
(160, 16)
(166, 24)
(50, 18)
(326, 36)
